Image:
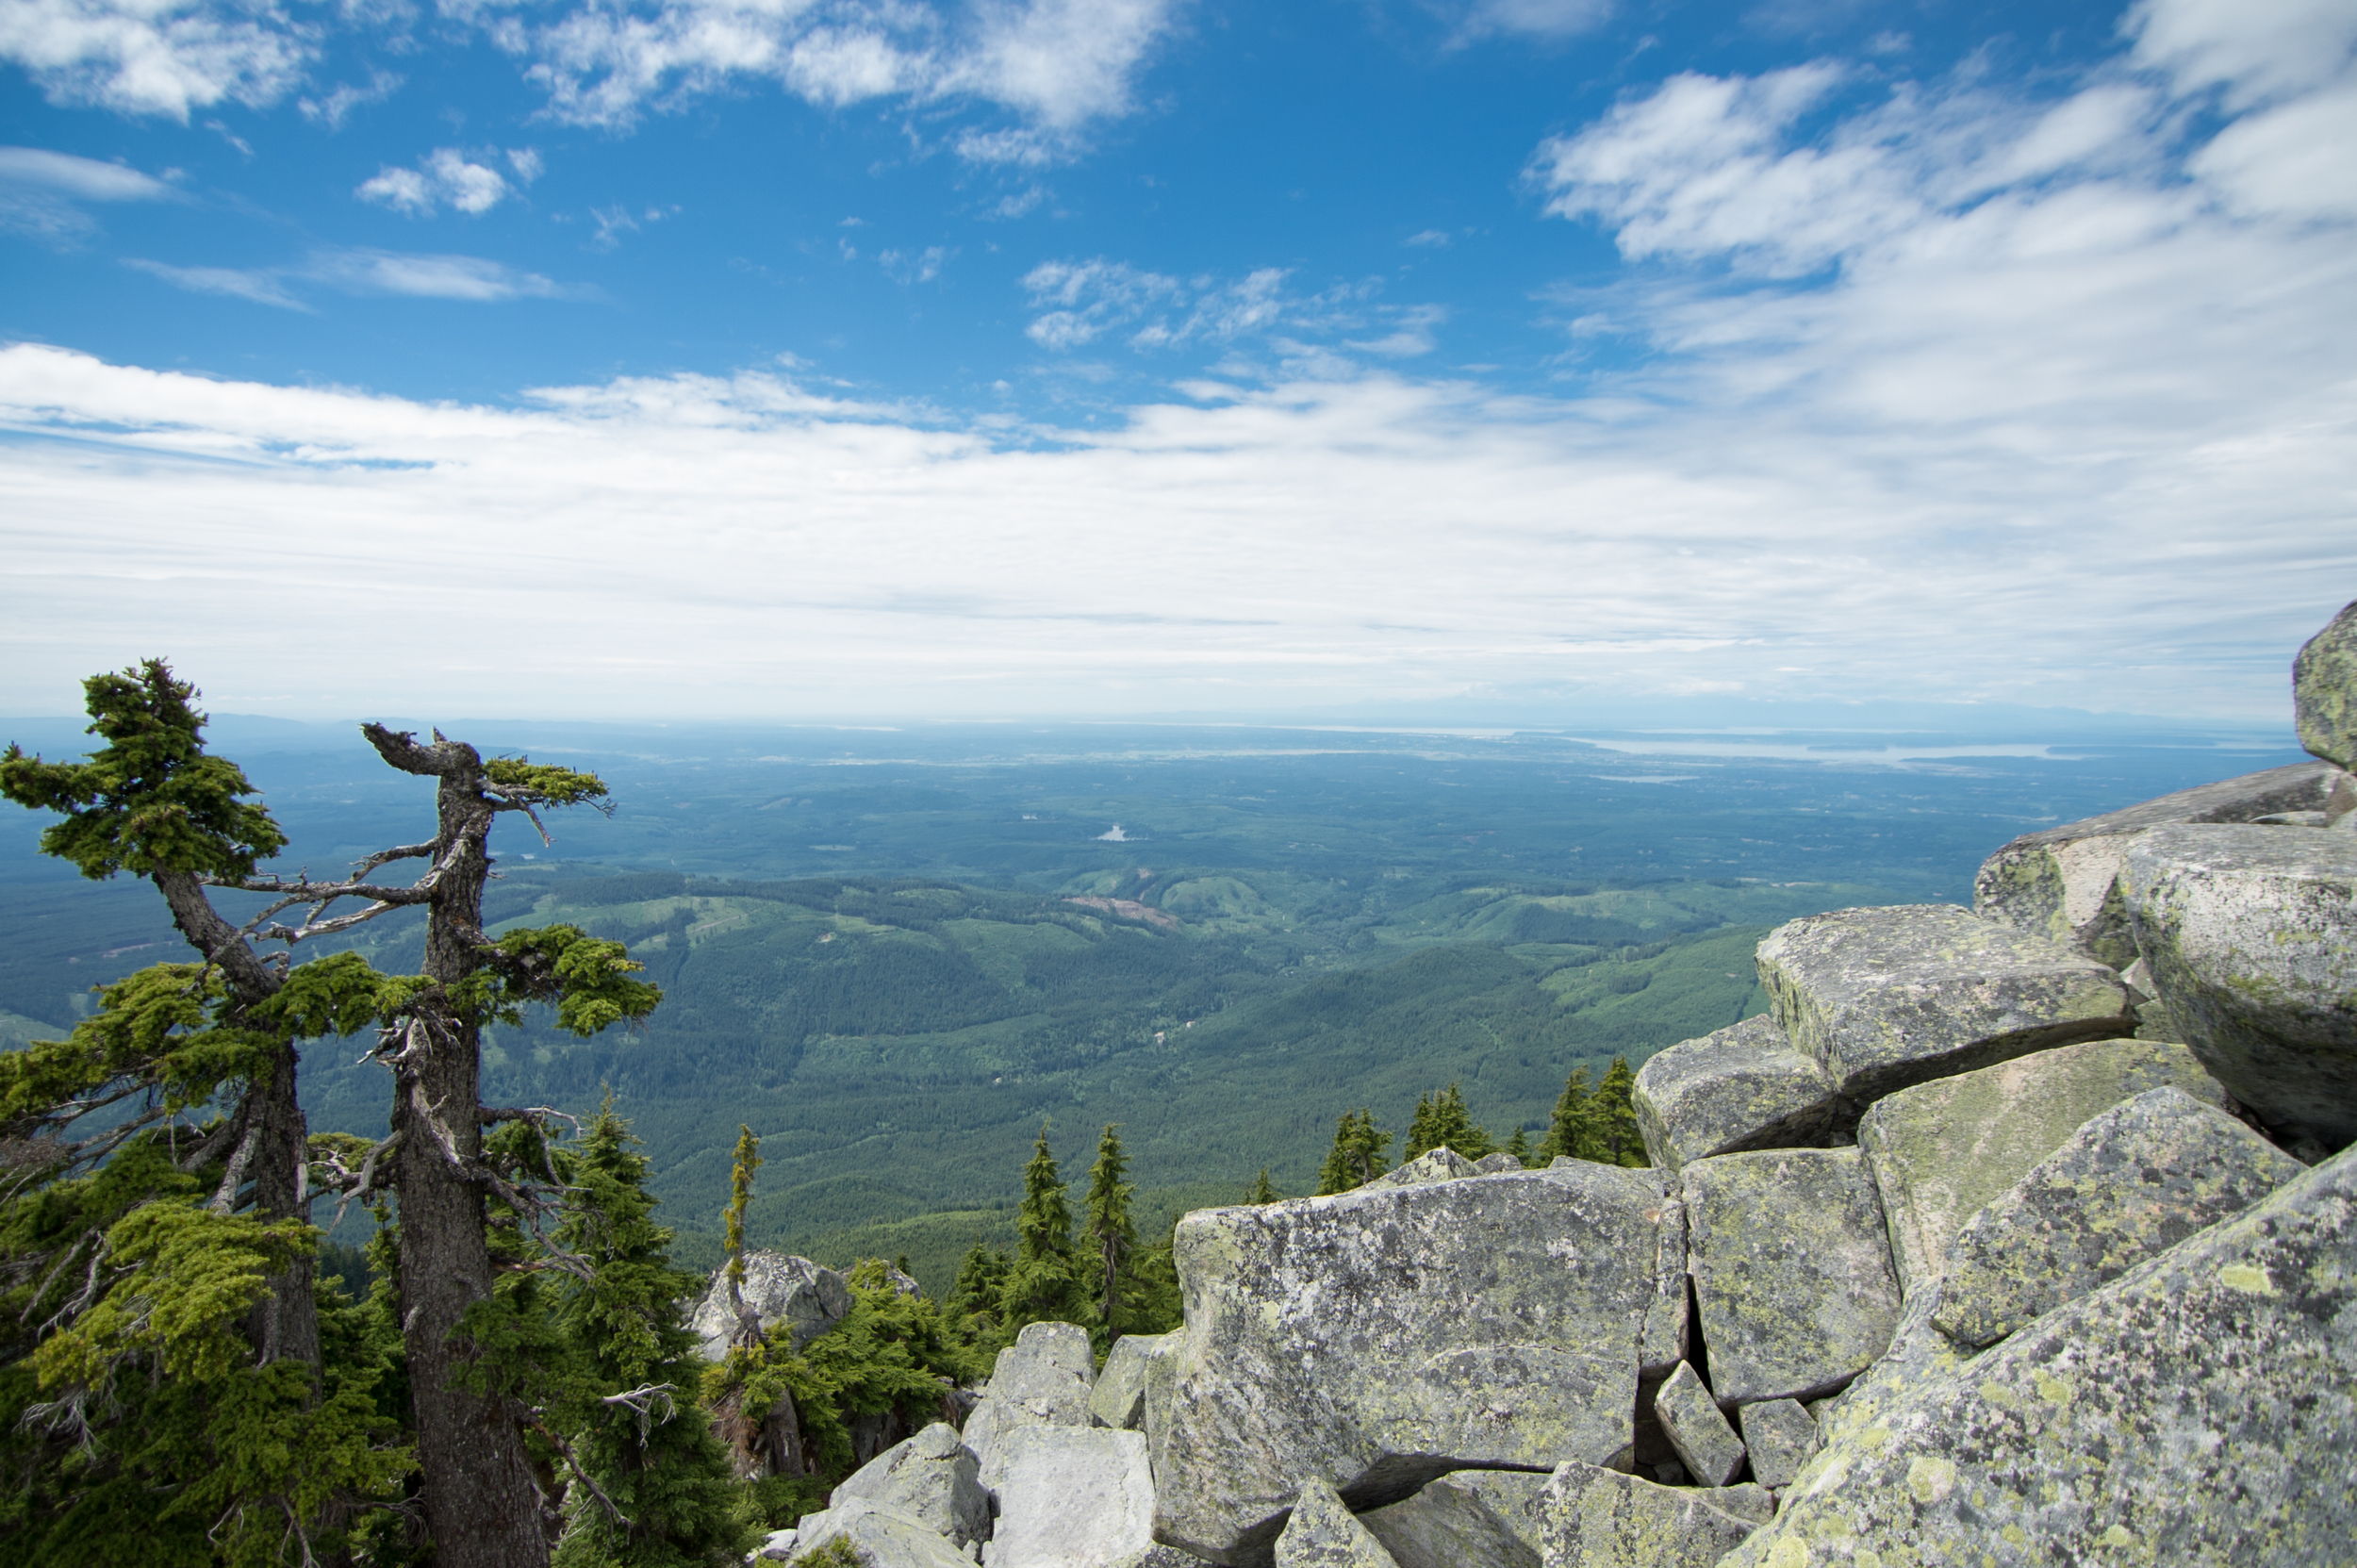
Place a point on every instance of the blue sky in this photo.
(808, 357)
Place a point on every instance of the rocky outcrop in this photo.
(2324, 691)
(1596, 1518)
(2129, 1185)
(932, 1478)
(1323, 1533)
(1743, 1087)
(1438, 1165)
(1489, 1517)
(2061, 883)
(1044, 1379)
(1940, 1151)
(1791, 1271)
(784, 1291)
(1068, 1496)
(1881, 998)
(2250, 935)
(1378, 1339)
(2200, 1408)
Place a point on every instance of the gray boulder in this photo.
(2061, 882)
(931, 1478)
(1595, 1518)
(1494, 1165)
(882, 1536)
(1437, 1164)
(1881, 998)
(2251, 937)
(808, 1299)
(1920, 1355)
(1466, 1519)
(1743, 1087)
(1068, 1497)
(1781, 1437)
(1044, 1379)
(1381, 1338)
(1791, 1271)
(1320, 1533)
(1940, 1151)
(2200, 1408)
(1689, 1418)
(1119, 1398)
(2132, 1183)
(2324, 691)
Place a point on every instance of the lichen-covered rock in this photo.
(1743, 1087)
(1068, 1497)
(1920, 1355)
(1494, 1164)
(1322, 1533)
(1791, 1271)
(2200, 1408)
(1436, 1164)
(2061, 882)
(1689, 1418)
(1942, 1149)
(2324, 691)
(1596, 1518)
(1466, 1519)
(2251, 937)
(1780, 1436)
(1119, 1400)
(2132, 1183)
(1383, 1337)
(882, 1536)
(1162, 1375)
(1043, 1380)
(931, 1478)
(806, 1298)
(1885, 997)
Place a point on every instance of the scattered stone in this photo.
(884, 1537)
(1494, 1165)
(1791, 1271)
(1741, 1088)
(1043, 1380)
(1381, 1338)
(2060, 882)
(1068, 1497)
(1881, 998)
(777, 1548)
(2199, 1409)
(1119, 1400)
(1591, 1517)
(781, 1289)
(1322, 1533)
(1437, 1164)
(2129, 1185)
(1940, 1151)
(931, 1478)
(2324, 691)
(1781, 1436)
(1708, 1447)
(2252, 937)
(1489, 1518)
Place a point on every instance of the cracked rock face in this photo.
(1689, 1418)
(1045, 1378)
(1886, 997)
(2251, 935)
(1068, 1497)
(2324, 691)
(1470, 1517)
(1791, 1271)
(1593, 1518)
(1323, 1534)
(2200, 1408)
(2061, 883)
(808, 1298)
(2130, 1185)
(1940, 1151)
(1375, 1340)
(1743, 1087)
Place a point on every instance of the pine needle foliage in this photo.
(1359, 1156)
(1113, 1239)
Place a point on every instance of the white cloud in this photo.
(1081, 301)
(445, 176)
(2253, 50)
(909, 267)
(41, 193)
(466, 278)
(1437, 238)
(337, 106)
(1548, 18)
(156, 56)
(260, 285)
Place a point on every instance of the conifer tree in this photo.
(1442, 1121)
(1572, 1131)
(1422, 1137)
(1619, 1140)
(1044, 1283)
(1519, 1146)
(1262, 1190)
(1112, 1236)
(1359, 1155)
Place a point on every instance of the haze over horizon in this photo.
(700, 361)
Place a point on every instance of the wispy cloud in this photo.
(162, 58)
(1080, 301)
(260, 286)
(332, 108)
(1545, 19)
(447, 177)
(913, 266)
(43, 193)
(465, 278)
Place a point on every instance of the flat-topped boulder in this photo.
(2324, 691)
(1322, 1533)
(1740, 1088)
(2251, 935)
(1068, 1497)
(784, 1291)
(1942, 1149)
(1045, 1378)
(2199, 1409)
(1791, 1271)
(1596, 1518)
(1886, 997)
(932, 1478)
(2129, 1185)
(2060, 882)
(878, 1535)
(1486, 1517)
(1379, 1339)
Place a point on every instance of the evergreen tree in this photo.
(1519, 1146)
(1359, 1155)
(1422, 1135)
(1044, 1221)
(747, 1160)
(974, 1296)
(1619, 1140)
(1572, 1131)
(1261, 1191)
(1442, 1121)
(1046, 1283)
(1112, 1237)
(664, 1493)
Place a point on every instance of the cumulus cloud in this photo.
(445, 177)
(161, 58)
(44, 193)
